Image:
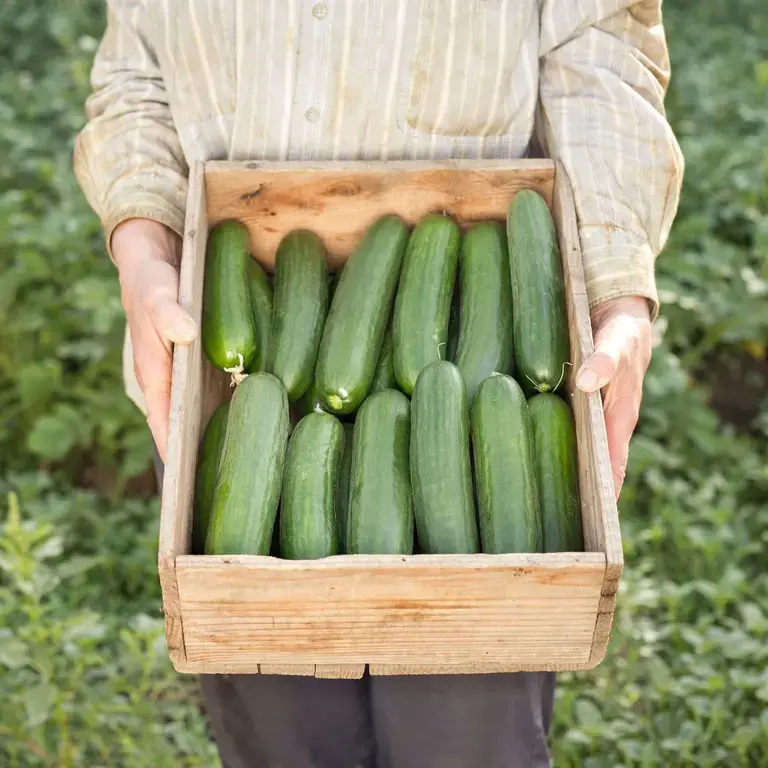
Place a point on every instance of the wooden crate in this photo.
(397, 614)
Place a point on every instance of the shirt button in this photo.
(320, 10)
(312, 115)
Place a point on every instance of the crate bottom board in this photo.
(396, 614)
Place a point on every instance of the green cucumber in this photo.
(502, 443)
(308, 527)
(261, 305)
(357, 321)
(441, 474)
(250, 470)
(380, 515)
(540, 323)
(228, 333)
(423, 303)
(557, 473)
(342, 494)
(454, 323)
(207, 470)
(384, 376)
(298, 315)
(485, 335)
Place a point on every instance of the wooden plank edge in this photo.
(339, 671)
(478, 668)
(168, 546)
(293, 670)
(356, 671)
(608, 508)
(174, 627)
(534, 165)
(582, 561)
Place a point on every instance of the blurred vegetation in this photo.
(84, 674)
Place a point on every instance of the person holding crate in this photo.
(582, 81)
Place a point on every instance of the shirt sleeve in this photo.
(604, 73)
(128, 159)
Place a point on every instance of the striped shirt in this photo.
(176, 81)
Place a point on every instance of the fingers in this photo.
(617, 366)
(612, 342)
(621, 404)
(152, 364)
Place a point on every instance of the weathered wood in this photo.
(340, 200)
(600, 517)
(398, 615)
(184, 419)
(402, 610)
(340, 671)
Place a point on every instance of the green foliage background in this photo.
(84, 676)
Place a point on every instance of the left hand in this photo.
(623, 341)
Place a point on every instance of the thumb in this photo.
(600, 367)
(173, 324)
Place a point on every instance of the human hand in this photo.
(623, 341)
(147, 254)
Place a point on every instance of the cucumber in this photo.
(357, 321)
(261, 306)
(502, 443)
(251, 469)
(540, 325)
(308, 527)
(342, 492)
(485, 335)
(441, 475)
(454, 322)
(384, 375)
(557, 473)
(228, 333)
(298, 315)
(423, 303)
(380, 514)
(208, 457)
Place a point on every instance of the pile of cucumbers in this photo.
(407, 403)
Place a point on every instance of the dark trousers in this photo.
(434, 721)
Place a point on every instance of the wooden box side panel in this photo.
(390, 611)
(339, 201)
(184, 421)
(600, 517)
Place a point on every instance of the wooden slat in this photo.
(340, 200)
(340, 671)
(184, 422)
(422, 610)
(297, 670)
(600, 517)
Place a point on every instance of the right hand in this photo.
(147, 254)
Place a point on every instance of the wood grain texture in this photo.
(293, 670)
(600, 517)
(184, 419)
(340, 671)
(339, 201)
(397, 610)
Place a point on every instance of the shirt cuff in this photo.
(169, 215)
(613, 272)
